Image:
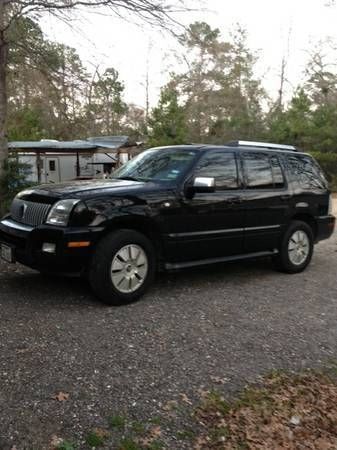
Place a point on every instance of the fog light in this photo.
(48, 247)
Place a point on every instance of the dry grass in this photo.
(286, 412)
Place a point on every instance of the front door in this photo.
(52, 170)
(211, 225)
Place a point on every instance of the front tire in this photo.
(296, 248)
(122, 267)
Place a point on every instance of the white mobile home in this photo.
(53, 161)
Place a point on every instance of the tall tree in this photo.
(321, 87)
(222, 96)
(153, 11)
(241, 115)
(197, 85)
(51, 95)
(167, 124)
(47, 87)
(134, 122)
(106, 107)
(321, 75)
(294, 125)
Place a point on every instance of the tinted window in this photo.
(258, 171)
(221, 166)
(306, 172)
(52, 166)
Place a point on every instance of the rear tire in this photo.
(122, 268)
(296, 248)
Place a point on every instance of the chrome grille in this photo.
(29, 213)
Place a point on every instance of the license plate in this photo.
(6, 253)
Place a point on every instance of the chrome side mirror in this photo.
(199, 184)
(204, 182)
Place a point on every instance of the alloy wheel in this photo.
(298, 247)
(129, 268)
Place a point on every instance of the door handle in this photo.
(285, 197)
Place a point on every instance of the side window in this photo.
(220, 165)
(258, 170)
(306, 172)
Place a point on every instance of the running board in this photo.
(202, 262)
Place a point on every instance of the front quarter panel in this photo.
(112, 210)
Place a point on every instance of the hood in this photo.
(86, 188)
(79, 187)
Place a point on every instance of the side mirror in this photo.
(203, 184)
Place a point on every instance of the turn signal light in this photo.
(78, 244)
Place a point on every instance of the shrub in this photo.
(13, 181)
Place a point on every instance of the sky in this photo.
(275, 28)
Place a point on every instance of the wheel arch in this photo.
(309, 220)
(143, 225)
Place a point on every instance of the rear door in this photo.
(266, 200)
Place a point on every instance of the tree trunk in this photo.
(3, 104)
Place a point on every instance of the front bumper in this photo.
(27, 243)
(325, 227)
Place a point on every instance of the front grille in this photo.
(29, 213)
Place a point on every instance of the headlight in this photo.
(60, 212)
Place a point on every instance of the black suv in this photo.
(170, 208)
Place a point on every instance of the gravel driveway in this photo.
(231, 322)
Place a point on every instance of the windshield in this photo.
(156, 165)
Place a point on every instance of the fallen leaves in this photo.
(61, 396)
(55, 442)
(101, 433)
(295, 420)
(170, 405)
(287, 412)
(152, 435)
(155, 432)
(219, 380)
(185, 399)
(22, 350)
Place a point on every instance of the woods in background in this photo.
(51, 94)
(216, 96)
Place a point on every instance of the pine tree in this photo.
(167, 121)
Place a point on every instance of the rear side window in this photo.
(221, 166)
(262, 171)
(306, 172)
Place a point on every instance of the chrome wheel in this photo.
(298, 247)
(129, 268)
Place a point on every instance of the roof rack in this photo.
(263, 145)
